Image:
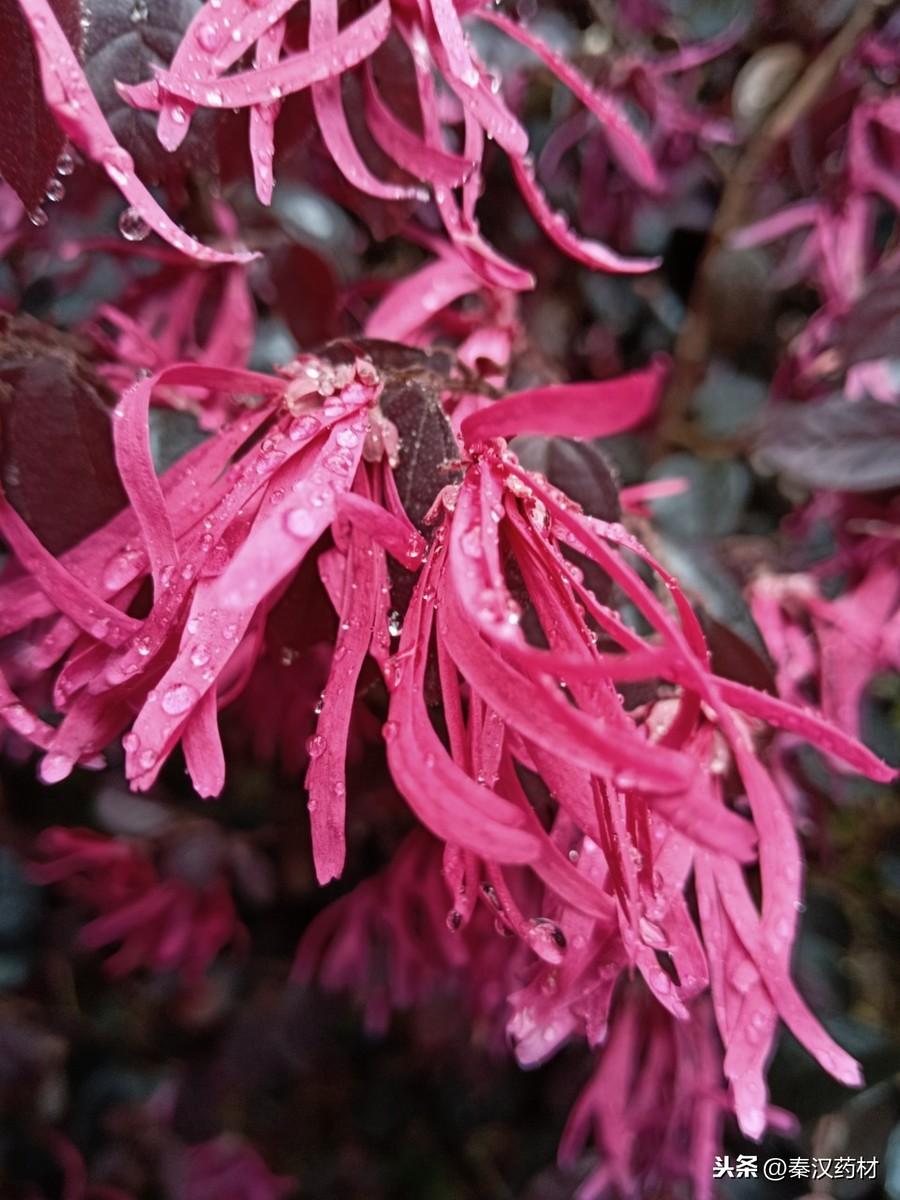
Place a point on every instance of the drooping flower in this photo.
(575, 808)
(173, 916)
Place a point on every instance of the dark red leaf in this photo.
(56, 451)
(306, 294)
(30, 139)
(580, 469)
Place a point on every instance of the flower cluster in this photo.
(399, 561)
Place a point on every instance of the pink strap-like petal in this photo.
(202, 744)
(293, 73)
(419, 158)
(453, 38)
(328, 104)
(444, 798)
(88, 610)
(326, 776)
(262, 117)
(556, 226)
(399, 537)
(584, 410)
(416, 298)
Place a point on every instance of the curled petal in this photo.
(556, 226)
(624, 140)
(329, 108)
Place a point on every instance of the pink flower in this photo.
(529, 666)
(175, 919)
(228, 1168)
(833, 647)
(436, 47)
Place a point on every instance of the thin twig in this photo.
(693, 344)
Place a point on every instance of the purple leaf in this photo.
(835, 444)
(872, 327)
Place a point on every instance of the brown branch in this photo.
(692, 347)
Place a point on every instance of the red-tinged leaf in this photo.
(54, 413)
(30, 139)
(306, 294)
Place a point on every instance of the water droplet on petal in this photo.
(299, 522)
(652, 933)
(389, 731)
(315, 746)
(454, 920)
(546, 939)
(178, 699)
(65, 164)
(56, 190)
(132, 225)
(200, 655)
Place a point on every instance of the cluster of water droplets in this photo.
(56, 188)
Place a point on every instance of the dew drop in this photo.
(546, 939)
(209, 36)
(178, 699)
(130, 742)
(660, 981)
(200, 655)
(132, 225)
(56, 190)
(651, 933)
(38, 218)
(299, 522)
(454, 920)
(389, 731)
(304, 427)
(744, 976)
(65, 164)
(315, 745)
